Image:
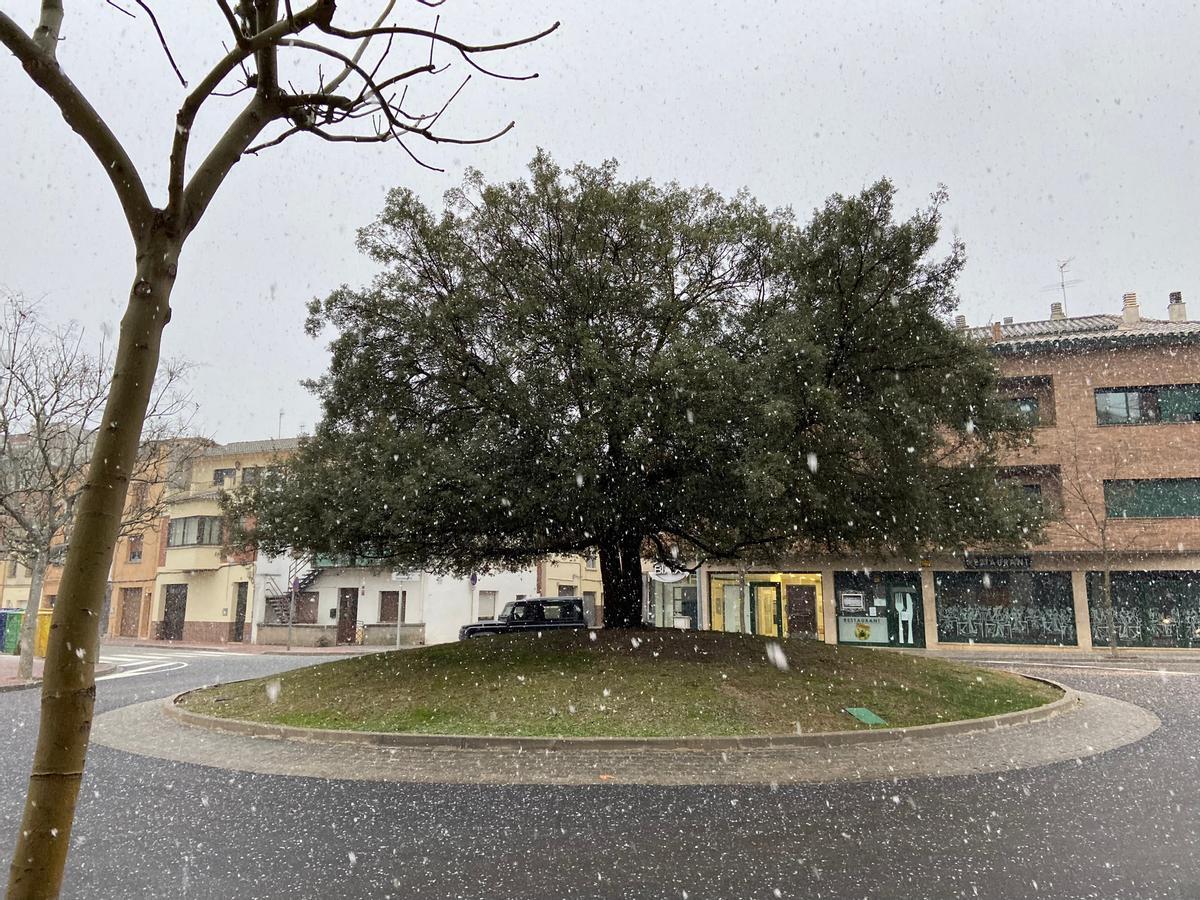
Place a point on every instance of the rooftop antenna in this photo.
(1063, 281)
(279, 431)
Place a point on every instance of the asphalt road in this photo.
(1120, 825)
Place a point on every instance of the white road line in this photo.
(126, 660)
(144, 670)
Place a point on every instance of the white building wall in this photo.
(442, 603)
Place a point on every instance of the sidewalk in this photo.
(1067, 655)
(8, 672)
(246, 648)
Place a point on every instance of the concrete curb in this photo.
(37, 682)
(1067, 702)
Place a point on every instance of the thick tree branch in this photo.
(45, 36)
(84, 121)
(241, 133)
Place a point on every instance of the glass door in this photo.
(766, 608)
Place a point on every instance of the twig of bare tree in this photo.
(261, 31)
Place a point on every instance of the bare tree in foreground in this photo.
(1085, 513)
(52, 393)
(365, 101)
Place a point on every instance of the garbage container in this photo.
(11, 636)
(43, 632)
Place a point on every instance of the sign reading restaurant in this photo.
(998, 563)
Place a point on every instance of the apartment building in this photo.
(202, 591)
(1114, 401)
(182, 583)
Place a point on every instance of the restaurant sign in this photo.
(998, 563)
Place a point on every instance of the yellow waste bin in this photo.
(43, 632)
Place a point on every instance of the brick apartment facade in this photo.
(1115, 459)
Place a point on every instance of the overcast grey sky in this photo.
(1062, 130)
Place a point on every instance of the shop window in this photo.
(674, 605)
(1005, 608)
(487, 604)
(1145, 405)
(1152, 498)
(1149, 609)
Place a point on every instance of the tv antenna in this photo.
(1063, 281)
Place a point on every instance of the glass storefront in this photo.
(774, 604)
(1005, 608)
(882, 608)
(1150, 609)
(673, 605)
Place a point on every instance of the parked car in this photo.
(531, 614)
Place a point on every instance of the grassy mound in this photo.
(642, 684)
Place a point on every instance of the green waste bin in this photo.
(12, 629)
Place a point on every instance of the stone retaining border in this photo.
(1069, 701)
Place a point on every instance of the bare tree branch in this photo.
(83, 120)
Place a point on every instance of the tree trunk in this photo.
(37, 578)
(68, 681)
(621, 572)
(1107, 600)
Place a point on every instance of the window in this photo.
(1142, 405)
(250, 474)
(487, 604)
(135, 548)
(51, 599)
(306, 608)
(194, 531)
(1030, 396)
(1153, 498)
(1027, 408)
(389, 606)
(561, 612)
(12, 568)
(593, 561)
(222, 477)
(566, 590)
(139, 493)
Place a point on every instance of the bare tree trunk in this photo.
(621, 573)
(68, 686)
(1107, 599)
(37, 578)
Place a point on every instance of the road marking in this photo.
(144, 670)
(1048, 665)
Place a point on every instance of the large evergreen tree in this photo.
(574, 361)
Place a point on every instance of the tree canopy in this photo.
(574, 361)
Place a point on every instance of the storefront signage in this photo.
(853, 601)
(998, 563)
(862, 629)
(666, 573)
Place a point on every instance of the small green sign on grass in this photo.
(865, 715)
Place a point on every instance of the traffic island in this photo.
(619, 684)
(1071, 726)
